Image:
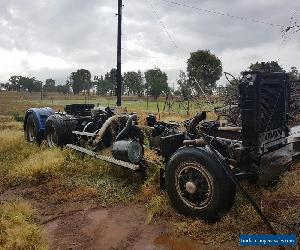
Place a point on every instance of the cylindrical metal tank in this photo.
(127, 150)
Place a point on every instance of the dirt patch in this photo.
(119, 227)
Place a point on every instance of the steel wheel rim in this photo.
(31, 133)
(52, 136)
(194, 185)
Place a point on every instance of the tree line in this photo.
(202, 72)
(153, 81)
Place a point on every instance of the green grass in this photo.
(22, 163)
(136, 105)
(37, 167)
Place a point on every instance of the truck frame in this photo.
(202, 163)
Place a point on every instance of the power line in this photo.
(163, 26)
(222, 14)
(292, 28)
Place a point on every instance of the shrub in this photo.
(18, 116)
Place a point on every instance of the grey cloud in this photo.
(84, 32)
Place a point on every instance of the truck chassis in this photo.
(204, 162)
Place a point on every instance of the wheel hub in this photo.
(52, 137)
(31, 133)
(190, 187)
(193, 185)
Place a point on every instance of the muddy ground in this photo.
(120, 227)
(88, 225)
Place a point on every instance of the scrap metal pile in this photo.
(203, 162)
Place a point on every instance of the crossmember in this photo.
(104, 158)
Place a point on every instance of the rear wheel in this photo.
(59, 130)
(51, 134)
(197, 185)
(31, 131)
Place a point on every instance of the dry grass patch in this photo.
(282, 204)
(10, 139)
(11, 126)
(37, 167)
(17, 227)
(6, 118)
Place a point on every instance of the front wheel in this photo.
(197, 185)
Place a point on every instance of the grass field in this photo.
(16, 102)
(38, 181)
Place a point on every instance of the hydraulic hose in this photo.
(105, 127)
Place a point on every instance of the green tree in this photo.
(4, 86)
(133, 83)
(64, 89)
(18, 83)
(112, 78)
(81, 80)
(266, 67)
(184, 87)
(157, 82)
(49, 85)
(112, 75)
(294, 74)
(14, 83)
(30, 84)
(204, 69)
(104, 86)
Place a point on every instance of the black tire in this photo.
(198, 186)
(59, 131)
(31, 130)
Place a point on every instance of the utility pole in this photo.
(119, 55)
(41, 91)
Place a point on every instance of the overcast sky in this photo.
(50, 39)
